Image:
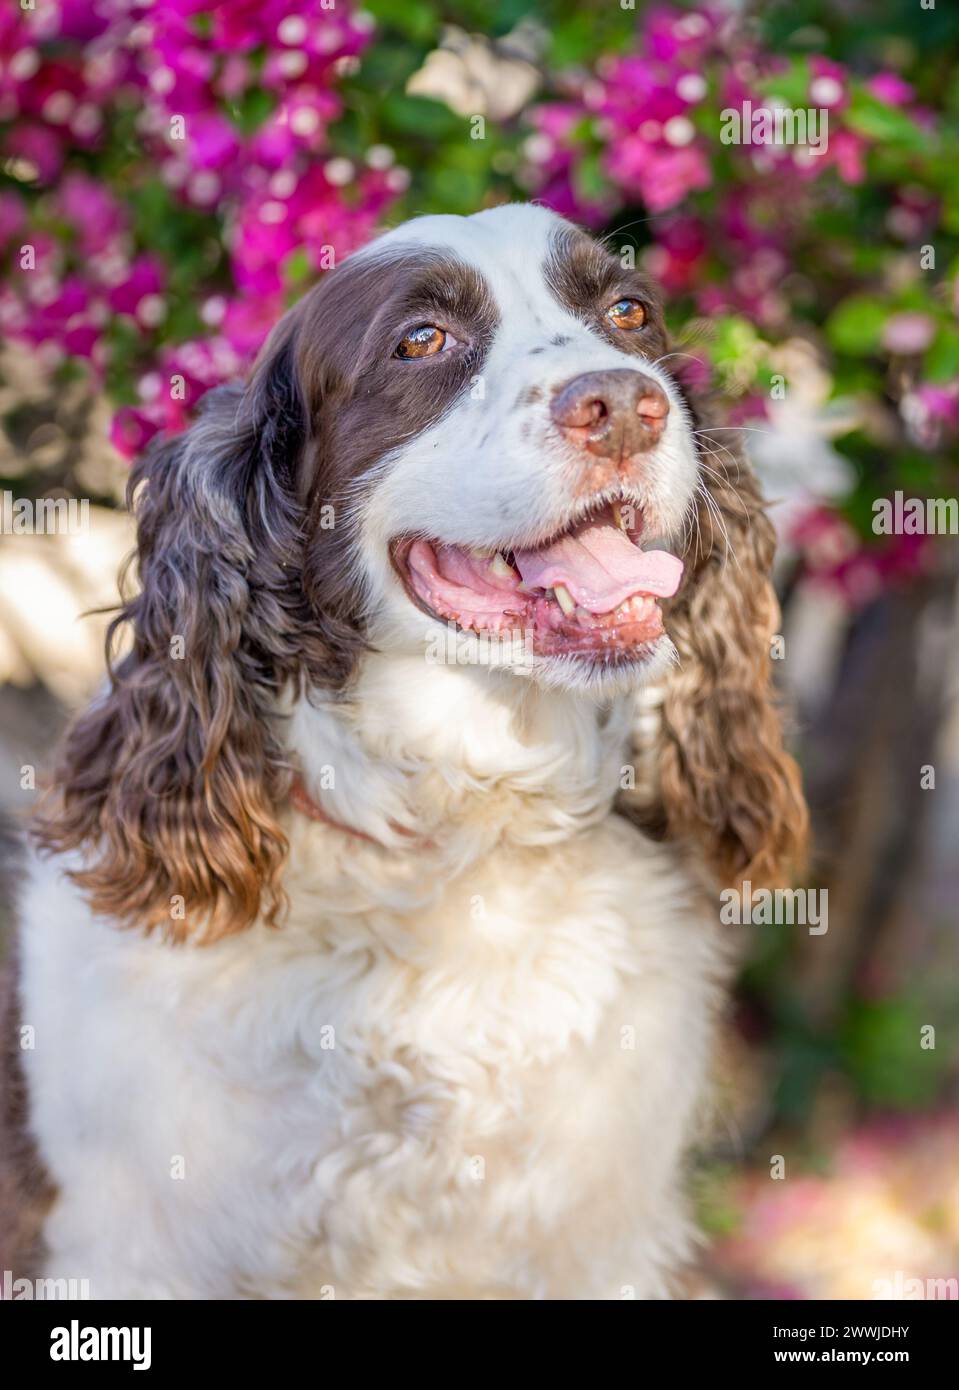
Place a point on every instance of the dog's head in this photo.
(542, 452)
(472, 422)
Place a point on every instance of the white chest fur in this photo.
(438, 1079)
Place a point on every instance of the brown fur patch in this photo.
(171, 783)
(587, 280)
(725, 780)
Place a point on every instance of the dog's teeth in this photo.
(501, 567)
(565, 599)
(618, 517)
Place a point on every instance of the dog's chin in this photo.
(602, 678)
(598, 673)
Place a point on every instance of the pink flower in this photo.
(828, 84)
(559, 194)
(179, 73)
(556, 119)
(676, 259)
(202, 364)
(635, 90)
(751, 407)
(908, 333)
(81, 20)
(131, 429)
(146, 278)
(662, 176)
(247, 322)
(299, 123)
(890, 88)
(845, 152)
(38, 145)
(236, 75)
(13, 215)
(931, 413)
(264, 236)
(211, 140)
(678, 34)
(92, 211)
(70, 319)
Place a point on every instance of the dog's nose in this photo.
(612, 414)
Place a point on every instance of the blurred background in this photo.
(173, 174)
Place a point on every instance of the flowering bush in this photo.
(175, 172)
(177, 178)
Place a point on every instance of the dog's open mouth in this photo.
(589, 591)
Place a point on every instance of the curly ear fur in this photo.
(169, 781)
(725, 779)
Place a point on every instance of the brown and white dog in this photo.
(349, 974)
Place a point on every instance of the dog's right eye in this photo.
(424, 341)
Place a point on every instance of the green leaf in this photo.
(589, 180)
(869, 116)
(297, 270)
(423, 117)
(856, 326)
(942, 359)
(881, 1045)
(792, 85)
(252, 110)
(415, 18)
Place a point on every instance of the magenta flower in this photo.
(83, 21)
(678, 34)
(70, 319)
(92, 209)
(661, 176)
(848, 152)
(212, 141)
(13, 215)
(890, 88)
(298, 124)
(39, 146)
(931, 413)
(131, 430)
(677, 259)
(145, 281)
(828, 85)
(247, 323)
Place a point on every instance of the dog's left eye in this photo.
(425, 341)
(626, 313)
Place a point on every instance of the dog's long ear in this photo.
(725, 779)
(169, 782)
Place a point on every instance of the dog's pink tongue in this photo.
(601, 567)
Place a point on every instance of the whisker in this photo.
(716, 513)
(737, 429)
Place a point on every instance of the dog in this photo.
(369, 942)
